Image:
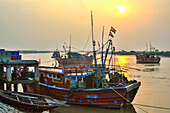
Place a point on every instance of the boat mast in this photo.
(93, 42)
(102, 46)
(150, 47)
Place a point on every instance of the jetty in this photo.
(10, 65)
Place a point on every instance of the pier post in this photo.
(16, 73)
(36, 84)
(1, 77)
(24, 74)
(8, 77)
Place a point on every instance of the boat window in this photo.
(50, 75)
(58, 76)
(54, 76)
(42, 74)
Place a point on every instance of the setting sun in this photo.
(121, 8)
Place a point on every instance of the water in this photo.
(154, 90)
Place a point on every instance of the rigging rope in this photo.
(87, 40)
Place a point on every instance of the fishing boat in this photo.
(94, 85)
(72, 58)
(78, 86)
(147, 58)
(29, 101)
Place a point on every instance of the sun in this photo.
(121, 8)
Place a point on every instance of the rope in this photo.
(159, 107)
(152, 106)
(142, 109)
(117, 92)
(122, 96)
(87, 40)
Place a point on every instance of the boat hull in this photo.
(65, 61)
(148, 60)
(24, 104)
(101, 97)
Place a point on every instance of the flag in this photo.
(112, 29)
(113, 48)
(110, 34)
(98, 44)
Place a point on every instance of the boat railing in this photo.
(81, 69)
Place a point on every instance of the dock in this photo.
(10, 65)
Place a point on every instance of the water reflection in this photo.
(89, 109)
(150, 69)
(121, 60)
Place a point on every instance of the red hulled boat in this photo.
(72, 58)
(96, 85)
(82, 88)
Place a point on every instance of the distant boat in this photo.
(72, 58)
(150, 58)
(29, 101)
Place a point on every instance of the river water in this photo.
(154, 90)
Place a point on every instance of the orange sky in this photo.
(41, 24)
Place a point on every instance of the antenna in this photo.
(70, 44)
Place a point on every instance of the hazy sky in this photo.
(43, 24)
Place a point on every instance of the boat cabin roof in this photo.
(67, 74)
(79, 75)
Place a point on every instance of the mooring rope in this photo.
(152, 106)
(122, 95)
(159, 107)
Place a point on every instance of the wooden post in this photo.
(36, 84)
(8, 77)
(16, 73)
(1, 77)
(24, 74)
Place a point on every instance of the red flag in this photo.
(98, 44)
(112, 29)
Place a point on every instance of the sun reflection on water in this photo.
(121, 60)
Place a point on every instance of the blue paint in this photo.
(2, 50)
(79, 100)
(65, 96)
(115, 102)
(62, 70)
(92, 102)
(91, 96)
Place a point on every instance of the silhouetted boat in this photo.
(29, 101)
(142, 58)
(148, 57)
